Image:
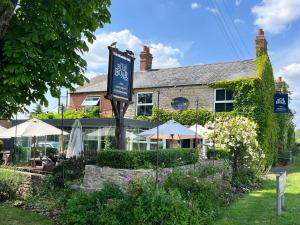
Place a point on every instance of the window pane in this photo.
(229, 107)
(144, 98)
(220, 95)
(220, 107)
(148, 98)
(144, 110)
(229, 95)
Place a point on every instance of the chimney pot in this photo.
(261, 32)
(145, 59)
(280, 79)
(261, 43)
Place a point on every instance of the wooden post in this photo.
(119, 109)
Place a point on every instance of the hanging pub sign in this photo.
(120, 75)
(281, 103)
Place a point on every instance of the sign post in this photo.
(119, 89)
(281, 186)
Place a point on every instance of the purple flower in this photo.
(128, 178)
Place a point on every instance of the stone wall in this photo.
(204, 93)
(95, 177)
(31, 184)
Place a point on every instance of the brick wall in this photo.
(76, 100)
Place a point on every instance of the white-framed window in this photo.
(144, 104)
(223, 100)
(90, 101)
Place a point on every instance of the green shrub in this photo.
(147, 205)
(10, 182)
(146, 159)
(217, 153)
(1, 145)
(205, 196)
(87, 208)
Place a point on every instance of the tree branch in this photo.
(6, 13)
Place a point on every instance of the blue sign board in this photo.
(120, 76)
(281, 103)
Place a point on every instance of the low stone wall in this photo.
(95, 177)
(29, 183)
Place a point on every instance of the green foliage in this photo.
(146, 159)
(70, 114)
(10, 182)
(181, 199)
(43, 48)
(205, 197)
(147, 205)
(1, 145)
(238, 135)
(37, 110)
(48, 196)
(186, 117)
(217, 153)
(254, 99)
(88, 208)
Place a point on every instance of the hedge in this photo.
(146, 159)
(217, 154)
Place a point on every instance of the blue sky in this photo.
(182, 32)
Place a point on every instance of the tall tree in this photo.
(41, 47)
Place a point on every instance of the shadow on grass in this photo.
(259, 207)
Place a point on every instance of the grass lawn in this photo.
(259, 207)
(14, 216)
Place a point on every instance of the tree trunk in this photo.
(6, 13)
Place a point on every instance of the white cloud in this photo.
(97, 57)
(291, 74)
(212, 10)
(276, 15)
(238, 21)
(90, 74)
(165, 56)
(195, 5)
(238, 2)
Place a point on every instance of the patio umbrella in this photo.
(31, 128)
(170, 130)
(75, 146)
(2, 129)
(201, 130)
(108, 131)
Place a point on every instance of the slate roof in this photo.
(180, 76)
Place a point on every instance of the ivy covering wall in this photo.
(254, 98)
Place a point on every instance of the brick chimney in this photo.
(280, 85)
(261, 43)
(145, 59)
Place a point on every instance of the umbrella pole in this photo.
(157, 136)
(34, 146)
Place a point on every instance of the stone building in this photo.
(175, 86)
